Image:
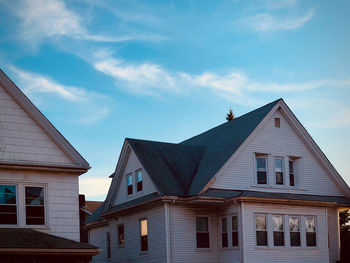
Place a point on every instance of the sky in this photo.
(104, 70)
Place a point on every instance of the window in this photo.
(108, 240)
(261, 170)
(202, 232)
(291, 173)
(129, 183)
(8, 205)
(278, 234)
(261, 230)
(310, 225)
(279, 170)
(224, 237)
(35, 206)
(294, 231)
(234, 231)
(144, 234)
(121, 238)
(139, 180)
(277, 122)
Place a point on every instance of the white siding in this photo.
(311, 178)
(22, 138)
(132, 165)
(333, 231)
(286, 254)
(98, 237)
(183, 235)
(62, 201)
(131, 251)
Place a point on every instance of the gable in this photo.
(132, 164)
(312, 177)
(27, 137)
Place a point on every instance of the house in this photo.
(39, 170)
(254, 189)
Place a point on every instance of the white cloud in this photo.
(152, 79)
(88, 103)
(42, 19)
(268, 23)
(93, 187)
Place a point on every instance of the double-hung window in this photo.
(8, 205)
(224, 236)
(291, 173)
(129, 183)
(279, 170)
(294, 230)
(144, 234)
(261, 230)
(35, 205)
(261, 169)
(310, 225)
(278, 232)
(202, 232)
(139, 180)
(121, 237)
(234, 231)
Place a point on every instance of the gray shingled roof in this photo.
(184, 169)
(31, 239)
(96, 216)
(227, 194)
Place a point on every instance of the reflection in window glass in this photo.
(294, 231)
(310, 225)
(278, 234)
(261, 232)
(35, 209)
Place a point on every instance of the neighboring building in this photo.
(254, 189)
(39, 188)
(86, 209)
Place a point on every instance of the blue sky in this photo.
(167, 70)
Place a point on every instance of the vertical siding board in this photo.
(311, 178)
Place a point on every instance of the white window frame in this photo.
(209, 232)
(267, 230)
(282, 170)
(25, 205)
(263, 156)
(17, 207)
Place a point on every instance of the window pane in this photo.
(294, 223)
(144, 243)
(260, 222)
(279, 178)
(311, 239)
(8, 214)
(202, 224)
(224, 240)
(277, 223)
(34, 195)
(295, 239)
(7, 194)
(310, 224)
(129, 179)
(35, 215)
(224, 224)
(278, 238)
(291, 179)
(262, 178)
(139, 176)
(129, 184)
(291, 166)
(235, 239)
(261, 238)
(261, 163)
(108, 237)
(203, 240)
(144, 227)
(279, 165)
(121, 234)
(234, 223)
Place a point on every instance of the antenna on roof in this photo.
(230, 116)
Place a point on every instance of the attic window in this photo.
(277, 122)
(129, 183)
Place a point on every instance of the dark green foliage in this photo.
(230, 116)
(344, 222)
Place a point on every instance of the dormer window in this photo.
(129, 183)
(261, 165)
(279, 170)
(139, 180)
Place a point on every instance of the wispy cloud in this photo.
(270, 23)
(42, 19)
(88, 103)
(235, 85)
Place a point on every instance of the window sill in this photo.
(268, 186)
(284, 248)
(204, 250)
(142, 253)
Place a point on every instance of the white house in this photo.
(254, 189)
(39, 170)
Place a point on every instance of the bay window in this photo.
(278, 231)
(310, 225)
(261, 230)
(294, 231)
